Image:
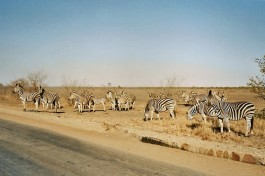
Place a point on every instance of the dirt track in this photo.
(86, 127)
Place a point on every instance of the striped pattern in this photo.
(202, 109)
(110, 96)
(78, 99)
(27, 96)
(159, 105)
(226, 111)
(49, 99)
(96, 101)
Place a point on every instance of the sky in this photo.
(132, 42)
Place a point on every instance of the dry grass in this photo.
(180, 126)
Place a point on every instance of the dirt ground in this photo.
(175, 132)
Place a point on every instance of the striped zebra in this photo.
(49, 98)
(131, 99)
(110, 96)
(96, 101)
(87, 96)
(226, 111)
(78, 99)
(122, 101)
(159, 105)
(201, 108)
(27, 96)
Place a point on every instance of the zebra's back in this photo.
(236, 110)
(162, 104)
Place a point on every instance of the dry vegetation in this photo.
(178, 127)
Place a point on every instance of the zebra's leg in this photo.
(43, 105)
(56, 105)
(172, 114)
(76, 103)
(47, 106)
(24, 105)
(151, 115)
(157, 114)
(59, 105)
(221, 125)
(94, 107)
(103, 104)
(127, 106)
(112, 106)
(226, 120)
(51, 106)
(204, 117)
(37, 105)
(248, 127)
(119, 106)
(79, 107)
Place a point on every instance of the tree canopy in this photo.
(257, 83)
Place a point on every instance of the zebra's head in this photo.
(18, 88)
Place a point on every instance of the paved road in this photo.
(25, 150)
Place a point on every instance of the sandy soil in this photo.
(87, 128)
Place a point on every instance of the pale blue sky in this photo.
(132, 42)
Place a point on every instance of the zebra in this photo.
(122, 101)
(201, 108)
(49, 98)
(226, 111)
(159, 105)
(110, 96)
(131, 99)
(79, 100)
(27, 96)
(194, 96)
(87, 96)
(199, 97)
(95, 101)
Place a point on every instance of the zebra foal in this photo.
(27, 96)
(159, 105)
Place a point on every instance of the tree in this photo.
(257, 83)
(36, 79)
(33, 80)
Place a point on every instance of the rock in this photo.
(202, 150)
(226, 155)
(210, 152)
(219, 153)
(185, 147)
(249, 159)
(235, 156)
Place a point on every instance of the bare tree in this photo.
(257, 83)
(22, 81)
(36, 79)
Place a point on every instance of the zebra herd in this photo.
(212, 105)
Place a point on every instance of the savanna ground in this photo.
(193, 132)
